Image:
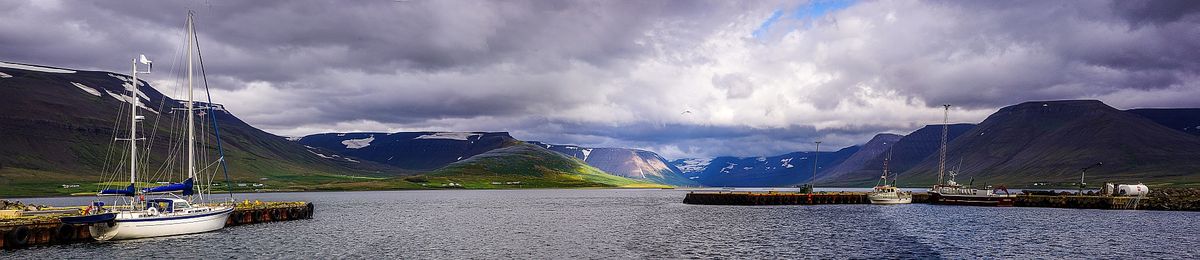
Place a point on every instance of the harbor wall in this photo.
(773, 198)
(33, 231)
(1048, 201)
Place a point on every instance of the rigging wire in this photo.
(213, 115)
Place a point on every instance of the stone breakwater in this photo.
(1173, 199)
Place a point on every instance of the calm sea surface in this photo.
(587, 224)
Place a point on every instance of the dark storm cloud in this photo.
(685, 78)
(1141, 12)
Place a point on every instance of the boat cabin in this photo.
(166, 205)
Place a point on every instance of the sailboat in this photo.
(178, 208)
(888, 194)
(950, 192)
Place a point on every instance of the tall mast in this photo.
(942, 150)
(191, 156)
(133, 104)
(133, 120)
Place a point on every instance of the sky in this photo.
(681, 78)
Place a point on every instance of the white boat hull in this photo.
(168, 225)
(890, 198)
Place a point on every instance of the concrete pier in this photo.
(774, 198)
(794, 198)
(44, 230)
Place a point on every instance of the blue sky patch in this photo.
(805, 13)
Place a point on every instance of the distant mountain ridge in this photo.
(421, 151)
(533, 165)
(1182, 119)
(774, 171)
(629, 163)
(906, 152)
(876, 147)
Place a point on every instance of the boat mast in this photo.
(133, 120)
(942, 150)
(885, 166)
(191, 157)
(133, 130)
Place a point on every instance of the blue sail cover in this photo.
(128, 191)
(185, 187)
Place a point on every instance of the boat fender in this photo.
(17, 237)
(276, 215)
(310, 210)
(65, 233)
(234, 217)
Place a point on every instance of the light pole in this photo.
(1083, 172)
(811, 180)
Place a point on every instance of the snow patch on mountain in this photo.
(320, 155)
(728, 169)
(358, 143)
(787, 163)
(126, 79)
(693, 165)
(587, 152)
(87, 89)
(461, 136)
(4, 75)
(127, 99)
(294, 138)
(143, 95)
(33, 68)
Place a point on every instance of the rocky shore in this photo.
(1173, 199)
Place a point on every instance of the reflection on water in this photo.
(653, 224)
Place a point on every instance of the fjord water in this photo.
(572, 224)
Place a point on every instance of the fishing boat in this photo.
(175, 208)
(949, 192)
(888, 194)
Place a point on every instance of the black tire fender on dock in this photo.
(65, 233)
(17, 237)
(235, 218)
(276, 215)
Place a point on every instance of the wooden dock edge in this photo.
(52, 231)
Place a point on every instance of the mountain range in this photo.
(1182, 119)
(59, 125)
(419, 151)
(628, 163)
(1051, 141)
(766, 171)
(905, 153)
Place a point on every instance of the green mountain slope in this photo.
(533, 166)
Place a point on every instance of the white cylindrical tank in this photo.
(1132, 189)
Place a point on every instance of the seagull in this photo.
(686, 112)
